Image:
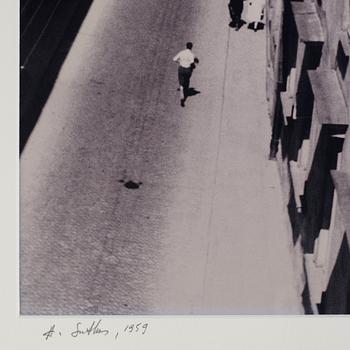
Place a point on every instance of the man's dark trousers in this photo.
(184, 78)
(235, 8)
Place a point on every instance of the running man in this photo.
(187, 62)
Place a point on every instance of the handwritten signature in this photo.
(95, 328)
(50, 332)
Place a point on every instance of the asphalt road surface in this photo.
(204, 232)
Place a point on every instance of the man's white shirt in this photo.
(185, 58)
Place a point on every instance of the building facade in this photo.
(308, 93)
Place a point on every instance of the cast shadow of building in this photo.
(47, 32)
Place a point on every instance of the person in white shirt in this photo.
(187, 62)
(255, 13)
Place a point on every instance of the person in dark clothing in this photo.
(235, 7)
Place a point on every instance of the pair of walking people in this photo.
(254, 13)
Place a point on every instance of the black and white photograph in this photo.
(184, 157)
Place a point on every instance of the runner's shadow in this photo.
(192, 92)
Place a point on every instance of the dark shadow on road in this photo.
(189, 93)
(240, 25)
(39, 72)
(192, 92)
(259, 27)
(131, 185)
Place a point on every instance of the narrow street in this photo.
(205, 231)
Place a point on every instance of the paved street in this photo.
(204, 233)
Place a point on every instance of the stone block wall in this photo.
(308, 90)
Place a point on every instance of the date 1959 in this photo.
(96, 329)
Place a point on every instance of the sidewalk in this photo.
(229, 229)
(249, 230)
